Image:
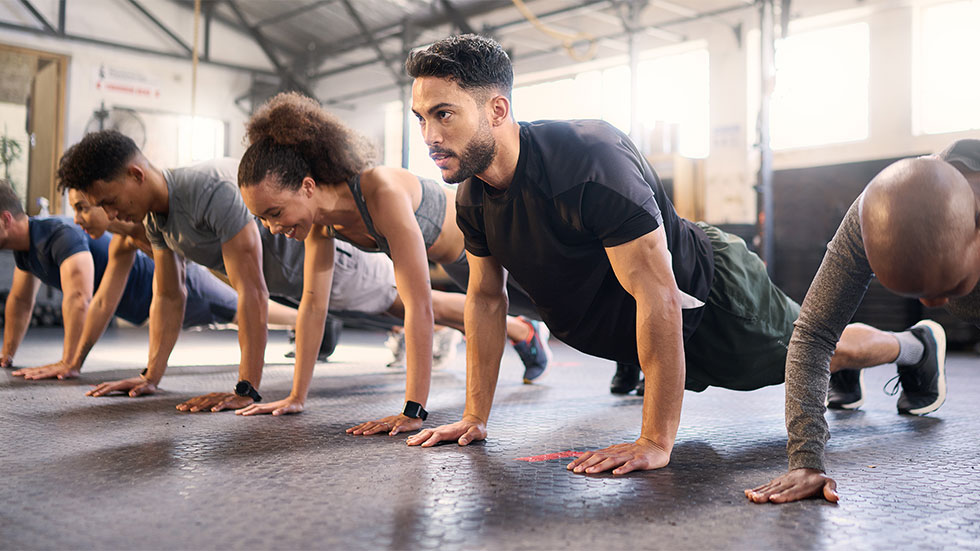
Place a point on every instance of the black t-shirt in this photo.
(54, 240)
(581, 186)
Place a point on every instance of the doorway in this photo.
(32, 124)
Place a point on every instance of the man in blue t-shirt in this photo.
(579, 219)
(59, 254)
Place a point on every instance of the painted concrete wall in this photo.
(157, 86)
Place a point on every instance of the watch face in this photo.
(242, 388)
(414, 410)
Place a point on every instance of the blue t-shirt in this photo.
(54, 240)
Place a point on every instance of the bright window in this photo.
(821, 91)
(199, 139)
(947, 80)
(674, 93)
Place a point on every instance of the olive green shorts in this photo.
(744, 333)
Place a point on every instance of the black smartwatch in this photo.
(414, 410)
(245, 389)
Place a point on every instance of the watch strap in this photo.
(246, 390)
(414, 410)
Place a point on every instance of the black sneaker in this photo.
(846, 389)
(924, 383)
(331, 335)
(626, 378)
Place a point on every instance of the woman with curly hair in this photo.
(310, 177)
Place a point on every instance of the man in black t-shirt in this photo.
(580, 220)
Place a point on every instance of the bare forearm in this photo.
(485, 320)
(253, 315)
(96, 321)
(660, 346)
(309, 332)
(17, 316)
(418, 352)
(74, 308)
(166, 313)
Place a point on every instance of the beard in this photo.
(476, 156)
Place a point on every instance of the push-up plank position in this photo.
(196, 213)
(55, 252)
(577, 216)
(916, 228)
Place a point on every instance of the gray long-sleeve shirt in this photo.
(833, 297)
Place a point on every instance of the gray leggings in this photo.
(519, 303)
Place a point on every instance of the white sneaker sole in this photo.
(856, 404)
(939, 334)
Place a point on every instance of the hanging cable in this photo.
(567, 40)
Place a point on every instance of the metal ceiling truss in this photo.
(398, 30)
(595, 4)
(297, 69)
(166, 30)
(382, 57)
(40, 18)
(490, 31)
(47, 29)
(290, 81)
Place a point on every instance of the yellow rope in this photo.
(567, 40)
(197, 26)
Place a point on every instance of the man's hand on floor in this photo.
(795, 485)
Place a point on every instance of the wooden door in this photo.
(44, 108)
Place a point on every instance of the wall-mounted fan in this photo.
(121, 119)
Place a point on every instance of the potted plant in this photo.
(10, 151)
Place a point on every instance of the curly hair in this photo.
(291, 137)
(101, 155)
(469, 60)
(9, 202)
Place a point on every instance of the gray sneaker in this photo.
(445, 342)
(396, 343)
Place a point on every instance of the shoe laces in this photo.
(896, 385)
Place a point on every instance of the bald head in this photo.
(919, 223)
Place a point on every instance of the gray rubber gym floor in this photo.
(122, 473)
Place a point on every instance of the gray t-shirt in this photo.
(206, 211)
(830, 303)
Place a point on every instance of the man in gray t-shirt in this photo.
(914, 228)
(194, 213)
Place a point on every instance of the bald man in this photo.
(917, 228)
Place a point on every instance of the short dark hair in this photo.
(101, 155)
(9, 201)
(469, 60)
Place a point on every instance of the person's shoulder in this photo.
(570, 153)
(56, 227)
(387, 178)
(561, 136)
(207, 174)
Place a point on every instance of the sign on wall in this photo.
(109, 79)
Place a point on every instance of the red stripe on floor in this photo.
(550, 456)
